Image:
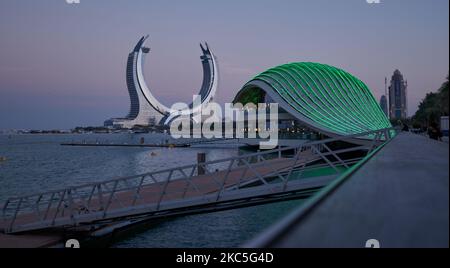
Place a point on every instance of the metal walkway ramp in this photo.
(228, 182)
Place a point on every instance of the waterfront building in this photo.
(145, 109)
(316, 98)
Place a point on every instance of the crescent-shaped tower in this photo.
(145, 108)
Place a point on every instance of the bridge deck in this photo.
(179, 188)
(176, 189)
(399, 197)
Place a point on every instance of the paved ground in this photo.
(399, 197)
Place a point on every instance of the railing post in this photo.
(90, 195)
(242, 176)
(5, 206)
(297, 157)
(374, 142)
(189, 182)
(49, 206)
(110, 198)
(224, 180)
(71, 205)
(37, 206)
(164, 190)
(100, 196)
(138, 190)
(61, 199)
(15, 215)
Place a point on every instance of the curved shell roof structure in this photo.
(324, 97)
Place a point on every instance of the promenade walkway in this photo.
(400, 197)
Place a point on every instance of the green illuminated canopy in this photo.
(324, 97)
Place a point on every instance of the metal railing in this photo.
(274, 171)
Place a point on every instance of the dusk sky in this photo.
(63, 65)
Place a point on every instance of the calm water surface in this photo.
(38, 163)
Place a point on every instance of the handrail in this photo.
(69, 198)
(281, 149)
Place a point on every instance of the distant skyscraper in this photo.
(383, 105)
(398, 96)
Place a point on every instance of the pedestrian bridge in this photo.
(250, 179)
